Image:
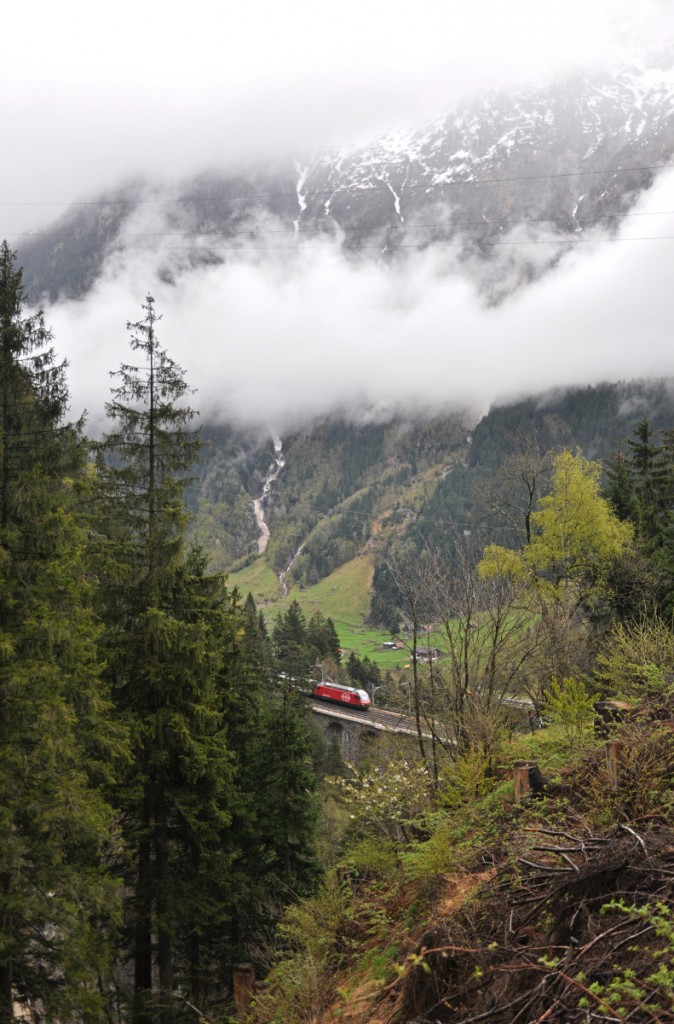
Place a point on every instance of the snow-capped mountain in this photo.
(503, 184)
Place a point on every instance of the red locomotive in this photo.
(338, 694)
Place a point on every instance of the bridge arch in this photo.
(334, 731)
(346, 732)
(365, 742)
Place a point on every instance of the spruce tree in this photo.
(272, 835)
(620, 488)
(649, 473)
(57, 900)
(246, 681)
(287, 806)
(165, 622)
(640, 487)
(322, 636)
(294, 654)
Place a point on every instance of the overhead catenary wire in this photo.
(300, 235)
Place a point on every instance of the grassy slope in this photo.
(343, 596)
(258, 579)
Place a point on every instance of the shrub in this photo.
(571, 705)
(373, 858)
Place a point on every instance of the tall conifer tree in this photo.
(56, 899)
(165, 623)
(294, 653)
(649, 472)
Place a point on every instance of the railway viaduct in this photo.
(356, 730)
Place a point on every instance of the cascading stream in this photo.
(258, 507)
(258, 504)
(283, 575)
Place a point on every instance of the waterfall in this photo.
(258, 504)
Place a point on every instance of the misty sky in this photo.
(93, 95)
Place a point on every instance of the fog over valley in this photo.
(277, 336)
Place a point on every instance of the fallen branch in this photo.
(626, 828)
(543, 867)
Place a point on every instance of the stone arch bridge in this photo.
(356, 730)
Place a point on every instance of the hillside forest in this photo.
(168, 808)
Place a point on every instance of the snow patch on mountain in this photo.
(531, 168)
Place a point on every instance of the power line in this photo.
(349, 190)
(397, 225)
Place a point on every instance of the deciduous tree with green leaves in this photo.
(575, 541)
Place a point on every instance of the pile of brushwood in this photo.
(558, 908)
(584, 933)
(576, 925)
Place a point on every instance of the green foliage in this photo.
(569, 703)
(646, 774)
(313, 925)
(441, 853)
(620, 489)
(299, 986)
(381, 965)
(388, 801)
(452, 838)
(468, 776)
(165, 627)
(576, 537)
(58, 748)
(628, 991)
(649, 479)
(294, 654)
(576, 532)
(566, 568)
(286, 801)
(300, 646)
(322, 636)
(364, 673)
(626, 652)
(641, 486)
(373, 858)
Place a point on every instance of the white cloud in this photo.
(276, 340)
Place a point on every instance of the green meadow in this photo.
(344, 596)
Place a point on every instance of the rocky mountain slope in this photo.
(503, 184)
(347, 490)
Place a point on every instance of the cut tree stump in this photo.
(522, 779)
(244, 990)
(614, 754)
